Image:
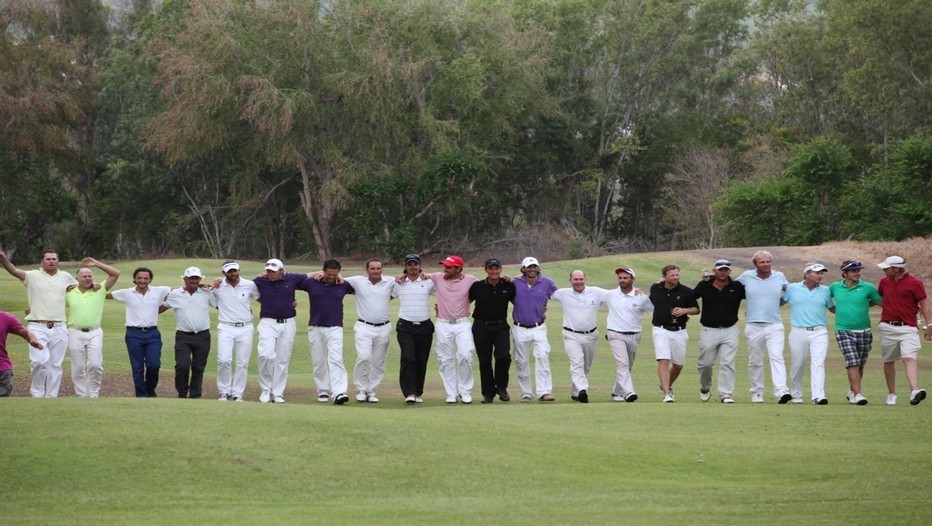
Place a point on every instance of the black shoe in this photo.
(574, 398)
(785, 398)
(632, 397)
(340, 399)
(583, 396)
(488, 399)
(503, 396)
(821, 401)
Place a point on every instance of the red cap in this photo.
(453, 261)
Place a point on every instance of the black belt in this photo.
(87, 330)
(491, 322)
(813, 328)
(402, 321)
(531, 326)
(282, 320)
(142, 328)
(719, 326)
(626, 333)
(590, 331)
(195, 333)
(373, 324)
(896, 323)
(671, 327)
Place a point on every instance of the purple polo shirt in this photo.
(529, 301)
(326, 302)
(277, 297)
(8, 325)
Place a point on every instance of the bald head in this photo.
(578, 280)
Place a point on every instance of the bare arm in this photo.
(924, 309)
(11, 268)
(112, 273)
(29, 337)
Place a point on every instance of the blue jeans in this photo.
(145, 357)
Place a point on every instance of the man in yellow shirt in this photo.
(85, 337)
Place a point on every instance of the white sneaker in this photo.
(265, 397)
(859, 399)
(850, 396)
(618, 398)
(372, 399)
(323, 398)
(917, 396)
(728, 400)
(223, 397)
(451, 400)
(411, 399)
(668, 398)
(797, 400)
(891, 399)
(757, 398)
(466, 398)
(418, 400)
(279, 400)
(705, 396)
(361, 396)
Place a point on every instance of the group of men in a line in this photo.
(65, 313)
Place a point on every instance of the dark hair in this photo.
(44, 252)
(143, 269)
(332, 263)
(374, 260)
(228, 261)
(668, 268)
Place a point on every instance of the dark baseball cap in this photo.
(491, 262)
(412, 257)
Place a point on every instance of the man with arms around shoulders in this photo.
(763, 288)
(143, 339)
(673, 304)
(580, 331)
(45, 291)
(904, 296)
(276, 328)
(721, 296)
(491, 332)
(453, 332)
(10, 325)
(325, 291)
(532, 291)
(85, 337)
(853, 300)
(808, 301)
(373, 330)
(235, 332)
(626, 305)
(415, 331)
(191, 305)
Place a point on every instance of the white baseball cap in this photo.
(893, 261)
(815, 267)
(230, 266)
(529, 261)
(274, 265)
(192, 272)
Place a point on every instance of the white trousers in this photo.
(717, 343)
(233, 340)
(371, 353)
(454, 354)
(46, 363)
(326, 344)
(86, 350)
(276, 341)
(580, 349)
(815, 344)
(525, 339)
(771, 337)
(624, 348)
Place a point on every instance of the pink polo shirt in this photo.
(8, 325)
(452, 295)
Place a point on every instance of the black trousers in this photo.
(492, 341)
(191, 350)
(414, 340)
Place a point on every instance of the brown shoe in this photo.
(546, 398)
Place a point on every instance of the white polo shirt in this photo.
(413, 299)
(625, 310)
(234, 303)
(580, 309)
(46, 294)
(372, 299)
(192, 311)
(142, 310)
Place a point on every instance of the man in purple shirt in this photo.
(532, 291)
(276, 328)
(325, 331)
(10, 325)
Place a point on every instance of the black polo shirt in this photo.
(719, 307)
(665, 300)
(491, 301)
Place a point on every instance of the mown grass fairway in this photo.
(119, 460)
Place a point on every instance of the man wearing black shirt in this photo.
(490, 330)
(721, 296)
(673, 303)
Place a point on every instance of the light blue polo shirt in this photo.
(807, 307)
(762, 296)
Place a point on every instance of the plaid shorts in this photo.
(855, 346)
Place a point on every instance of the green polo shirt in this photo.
(85, 310)
(852, 304)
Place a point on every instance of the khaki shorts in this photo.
(899, 343)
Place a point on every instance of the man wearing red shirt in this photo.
(903, 297)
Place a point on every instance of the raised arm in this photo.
(112, 273)
(11, 268)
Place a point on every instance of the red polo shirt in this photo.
(901, 298)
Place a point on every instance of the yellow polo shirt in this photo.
(85, 310)
(46, 294)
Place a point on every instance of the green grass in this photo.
(122, 460)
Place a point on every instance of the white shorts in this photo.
(670, 345)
